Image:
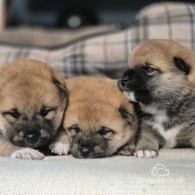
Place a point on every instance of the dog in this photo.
(33, 98)
(161, 79)
(99, 120)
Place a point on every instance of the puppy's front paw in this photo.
(126, 151)
(27, 153)
(59, 148)
(145, 154)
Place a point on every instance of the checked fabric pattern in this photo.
(107, 54)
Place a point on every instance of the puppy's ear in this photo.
(126, 115)
(179, 63)
(59, 82)
(59, 85)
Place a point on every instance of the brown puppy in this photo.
(32, 102)
(99, 119)
(161, 78)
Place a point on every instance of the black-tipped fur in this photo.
(179, 63)
(126, 115)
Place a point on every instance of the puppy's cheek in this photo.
(74, 149)
(45, 134)
(98, 151)
(144, 96)
(114, 144)
(109, 151)
(17, 139)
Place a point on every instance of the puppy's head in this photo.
(99, 119)
(159, 71)
(32, 102)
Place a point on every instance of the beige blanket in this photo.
(173, 172)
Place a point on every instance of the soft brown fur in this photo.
(28, 88)
(95, 103)
(160, 53)
(161, 78)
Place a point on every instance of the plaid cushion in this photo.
(107, 54)
(175, 21)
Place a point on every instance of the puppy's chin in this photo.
(130, 95)
(20, 140)
(40, 143)
(96, 152)
(91, 156)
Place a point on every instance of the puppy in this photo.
(99, 120)
(33, 98)
(161, 78)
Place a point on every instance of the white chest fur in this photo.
(161, 117)
(169, 134)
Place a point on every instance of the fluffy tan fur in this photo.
(160, 53)
(95, 102)
(27, 85)
(163, 73)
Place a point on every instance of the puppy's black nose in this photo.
(31, 138)
(124, 81)
(86, 151)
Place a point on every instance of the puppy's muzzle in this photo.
(85, 151)
(123, 81)
(130, 81)
(31, 138)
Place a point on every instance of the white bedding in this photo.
(113, 175)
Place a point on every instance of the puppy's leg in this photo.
(147, 145)
(8, 149)
(192, 140)
(187, 137)
(60, 144)
(128, 149)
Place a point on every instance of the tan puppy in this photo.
(33, 98)
(161, 78)
(99, 119)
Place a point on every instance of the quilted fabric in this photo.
(173, 172)
(107, 54)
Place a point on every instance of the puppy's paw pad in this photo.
(27, 153)
(145, 154)
(59, 148)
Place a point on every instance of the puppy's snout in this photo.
(85, 151)
(31, 138)
(123, 81)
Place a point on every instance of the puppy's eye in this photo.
(15, 114)
(75, 129)
(44, 112)
(104, 131)
(149, 69)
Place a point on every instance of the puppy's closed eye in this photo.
(74, 130)
(105, 132)
(44, 112)
(11, 115)
(47, 113)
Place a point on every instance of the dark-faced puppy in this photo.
(32, 102)
(99, 120)
(161, 78)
